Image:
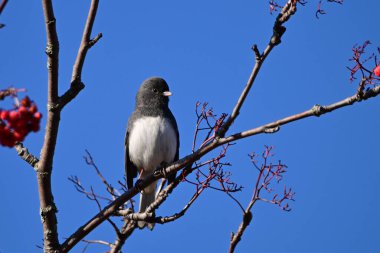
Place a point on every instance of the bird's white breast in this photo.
(152, 140)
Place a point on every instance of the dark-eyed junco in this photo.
(152, 138)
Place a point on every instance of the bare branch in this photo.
(235, 238)
(188, 160)
(2, 5)
(26, 156)
(178, 215)
(316, 110)
(149, 217)
(86, 44)
(55, 104)
(98, 242)
(368, 77)
(267, 173)
(101, 242)
(288, 10)
(89, 194)
(10, 92)
(278, 30)
(90, 161)
(47, 206)
(125, 232)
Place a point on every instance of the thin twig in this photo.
(267, 173)
(26, 156)
(278, 30)
(160, 198)
(89, 194)
(126, 231)
(2, 5)
(90, 161)
(316, 111)
(86, 43)
(98, 242)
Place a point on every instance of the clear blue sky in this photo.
(202, 48)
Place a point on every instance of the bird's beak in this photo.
(166, 93)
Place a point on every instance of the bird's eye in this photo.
(155, 90)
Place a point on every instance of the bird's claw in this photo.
(139, 185)
(160, 170)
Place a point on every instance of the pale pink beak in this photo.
(167, 93)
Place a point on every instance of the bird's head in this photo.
(154, 92)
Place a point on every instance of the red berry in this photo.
(21, 124)
(7, 138)
(6, 131)
(33, 108)
(26, 101)
(18, 136)
(4, 115)
(35, 126)
(23, 110)
(24, 132)
(10, 141)
(376, 70)
(12, 123)
(14, 115)
(37, 115)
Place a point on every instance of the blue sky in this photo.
(202, 49)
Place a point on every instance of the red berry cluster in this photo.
(376, 70)
(17, 123)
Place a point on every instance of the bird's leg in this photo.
(160, 170)
(141, 172)
(139, 181)
(163, 181)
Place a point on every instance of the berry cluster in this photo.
(376, 70)
(17, 123)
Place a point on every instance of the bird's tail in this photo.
(148, 195)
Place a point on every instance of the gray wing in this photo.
(130, 168)
(171, 117)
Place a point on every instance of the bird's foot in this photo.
(160, 170)
(139, 185)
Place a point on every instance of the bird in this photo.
(151, 139)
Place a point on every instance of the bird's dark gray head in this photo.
(154, 92)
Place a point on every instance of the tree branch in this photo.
(26, 156)
(316, 110)
(178, 215)
(86, 44)
(112, 208)
(111, 190)
(268, 172)
(2, 5)
(278, 30)
(235, 238)
(149, 216)
(188, 160)
(47, 207)
(125, 232)
(55, 105)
